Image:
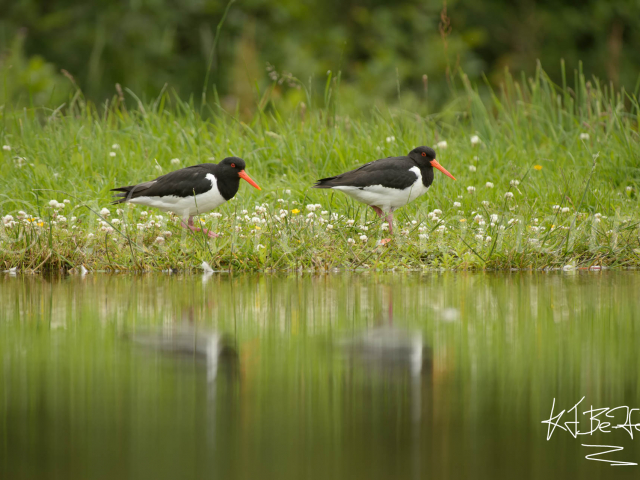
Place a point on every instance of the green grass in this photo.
(573, 146)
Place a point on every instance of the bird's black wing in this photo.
(391, 172)
(181, 183)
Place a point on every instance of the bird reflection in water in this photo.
(213, 348)
(387, 355)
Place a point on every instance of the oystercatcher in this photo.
(388, 183)
(190, 191)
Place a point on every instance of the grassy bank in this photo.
(548, 176)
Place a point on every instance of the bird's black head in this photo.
(423, 155)
(426, 157)
(232, 166)
(233, 163)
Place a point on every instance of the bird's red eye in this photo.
(424, 154)
(233, 165)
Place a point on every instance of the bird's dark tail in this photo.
(324, 183)
(132, 191)
(125, 195)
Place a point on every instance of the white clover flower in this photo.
(364, 238)
(144, 213)
(329, 227)
(598, 215)
(508, 195)
(311, 215)
(53, 203)
(324, 212)
(475, 139)
(167, 233)
(384, 226)
(423, 236)
(479, 237)
(442, 144)
(494, 218)
(159, 168)
(535, 229)
(66, 201)
(485, 203)
(472, 168)
(556, 208)
(112, 154)
(414, 222)
(115, 146)
(6, 219)
(514, 183)
(115, 221)
(311, 207)
(437, 211)
(287, 191)
(565, 210)
(216, 215)
(488, 185)
(391, 139)
(255, 220)
(159, 240)
(471, 189)
(629, 189)
(457, 204)
(317, 205)
(350, 222)
(422, 229)
(441, 228)
(105, 212)
(6, 148)
(260, 247)
(91, 235)
(487, 240)
(261, 210)
(478, 218)
(175, 161)
(351, 240)
(584, 136)
(334, 217)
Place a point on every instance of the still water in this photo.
(317, 377)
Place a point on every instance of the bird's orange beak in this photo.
(435, 164)
(242, 174)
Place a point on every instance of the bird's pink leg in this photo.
(377, 210)
(193, 228)
(390, 222)
(389, 219)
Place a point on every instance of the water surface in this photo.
(333, 376)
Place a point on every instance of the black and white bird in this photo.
(389, 183)
(190, 191)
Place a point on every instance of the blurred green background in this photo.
(396, 51)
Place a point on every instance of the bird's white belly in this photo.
(387, 199)
(185, 206)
